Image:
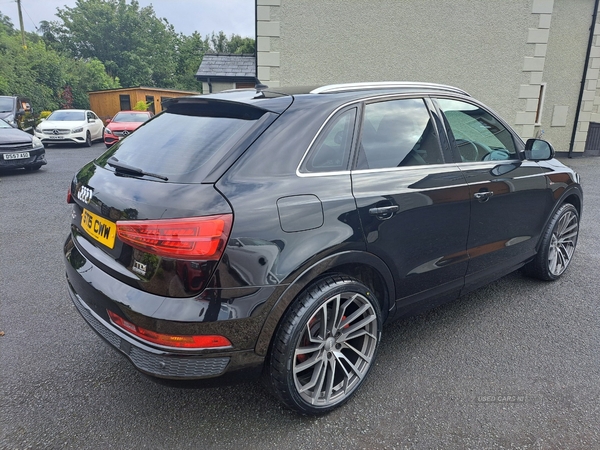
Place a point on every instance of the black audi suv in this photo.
(275, 231)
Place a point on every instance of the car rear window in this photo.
(183, 145)
(131, 117)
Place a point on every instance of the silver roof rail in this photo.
(385, 85)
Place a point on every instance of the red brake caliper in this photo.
(305, 342)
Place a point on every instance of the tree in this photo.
(190, 51)
(46, 30)
(49, 79)
(132, 43)
(6, 24)
(220, 43)
(103, 44)
(239, 45)
(85, 76)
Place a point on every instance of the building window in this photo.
(245, 85)
(125, 102)
(150, 103)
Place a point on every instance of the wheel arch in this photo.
(363, 266)
(543, 266)
(573, 196)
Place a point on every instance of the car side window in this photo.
(479, 136)
(397, 133)
(331, 151)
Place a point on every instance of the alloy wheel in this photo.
(336, 349)
(562, 244)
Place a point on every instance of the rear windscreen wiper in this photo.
(127, 169)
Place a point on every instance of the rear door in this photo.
(509, 197)
(412, 200)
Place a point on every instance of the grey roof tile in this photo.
(220, 65)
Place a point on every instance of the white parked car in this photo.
(79, 126)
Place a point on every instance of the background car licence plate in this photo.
(104, 231)
(20, 155)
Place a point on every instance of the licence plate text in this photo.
(104, 231)
(20, 155)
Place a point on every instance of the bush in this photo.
(141, 106)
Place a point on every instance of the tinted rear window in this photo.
(181, 147)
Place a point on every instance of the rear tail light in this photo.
(170, 340)
(69, 196)
(195, 238)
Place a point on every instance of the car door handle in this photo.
(384, 211)
(483, 196)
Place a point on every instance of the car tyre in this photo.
(325, 345)
(88, 139)
(557, 246)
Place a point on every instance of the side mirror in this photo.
(538, 150)
(107, 121)
(20, 112)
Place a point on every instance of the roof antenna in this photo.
(260, 87)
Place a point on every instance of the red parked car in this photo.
(123, 124)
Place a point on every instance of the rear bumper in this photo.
(94, 292)
(149, 360)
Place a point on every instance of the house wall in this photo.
(500, 51)
(106, 104)
(569, 30)
(589, 112)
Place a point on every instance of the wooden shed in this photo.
(107, 103)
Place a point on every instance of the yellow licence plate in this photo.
(104, 231)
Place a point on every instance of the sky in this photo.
(187, 16)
